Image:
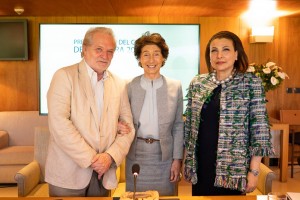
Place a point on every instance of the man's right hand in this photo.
(123, 128)
(101, 163)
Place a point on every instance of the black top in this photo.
(206, 148)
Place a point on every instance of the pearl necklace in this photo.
(214, 78)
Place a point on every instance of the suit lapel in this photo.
(85, 82)
(138, 96)
(108, 91)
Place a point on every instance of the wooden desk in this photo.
(161, 198)
(211, 198)
(284, 148)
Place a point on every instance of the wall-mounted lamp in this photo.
(19, 10)
(262, 34)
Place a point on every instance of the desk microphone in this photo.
(135, 171)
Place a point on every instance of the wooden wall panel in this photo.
(211, 25)
(137, 20)
(289, 59)
(19, 80)
(261, 53)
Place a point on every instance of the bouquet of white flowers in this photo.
(270, 74)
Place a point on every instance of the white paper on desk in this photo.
(293, 195)
(262, 197)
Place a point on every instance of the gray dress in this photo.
(154, 173)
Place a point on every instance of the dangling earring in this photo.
(140, 64)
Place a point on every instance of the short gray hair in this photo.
(88, 38)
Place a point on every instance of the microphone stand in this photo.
(135, 172)
(134, 184)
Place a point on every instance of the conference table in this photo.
(117, 198)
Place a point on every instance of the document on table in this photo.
(262, 197)
(293, 195)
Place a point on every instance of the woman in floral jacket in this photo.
(226, 129)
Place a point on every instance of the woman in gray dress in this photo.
(157, 106)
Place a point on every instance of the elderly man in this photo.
(89, 120)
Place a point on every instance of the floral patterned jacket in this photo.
(244, 129)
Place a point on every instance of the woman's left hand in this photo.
(251, 179)
(251, 182)
(175, 171)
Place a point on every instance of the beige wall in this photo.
(19, 82)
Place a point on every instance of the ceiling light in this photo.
(261, 13)
(19, 11)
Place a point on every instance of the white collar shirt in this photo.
(149, 116)
(98, 88)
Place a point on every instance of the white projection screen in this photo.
(60, 46)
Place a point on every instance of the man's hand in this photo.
(101, 163)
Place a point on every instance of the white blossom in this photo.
(271, 74)
(281, 75)
(251, 69)
(275, 67)
(267, 70)
(274, 80)
(270, 64)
